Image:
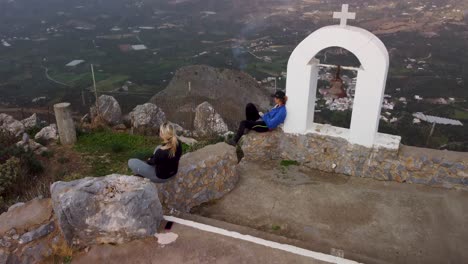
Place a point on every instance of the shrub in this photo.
(9, 172)
(287, 163)
(30, 162)
(47, 154)
(33, 131)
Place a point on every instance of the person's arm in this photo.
(278, 119)
(152, 160)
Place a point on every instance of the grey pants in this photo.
(139, 167)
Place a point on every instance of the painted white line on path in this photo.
(260, 241)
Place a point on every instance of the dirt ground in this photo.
(372, 221)
(192, 246)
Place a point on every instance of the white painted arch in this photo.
(301, 84)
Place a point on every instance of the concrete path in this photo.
(372, 221)
(192, 246)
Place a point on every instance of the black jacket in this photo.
(165, 166)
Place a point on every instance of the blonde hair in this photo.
(169, 137)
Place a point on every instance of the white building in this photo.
(139, 47)
(74, 63)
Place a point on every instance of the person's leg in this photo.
(141, 168)
(246, 124)
(251, 112)
(260, 127)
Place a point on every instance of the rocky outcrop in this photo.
(111, 209)
(409, 164)
(48, 133)
(147, 116)
(11, 125)
(28, 232)
(110, 111)
(208, 122)
(227, 90)
(26, 217)
(31, 121)
(204, 175)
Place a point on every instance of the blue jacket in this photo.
(275, 117)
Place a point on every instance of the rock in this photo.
(25, 138)
(203, 176)
(48, 133)
(147, 116)
(110, 111)
(33, 146)
(187, 133)
(178, 128)
(11, 233)
(31, 121)
(27, 217)
(35, 252)
(120, 127)
(9, 124)
(188, 141)
(4, 254)
(5, 243)
(208, 122)
(43, 230)
(16, 205)
(111, 209)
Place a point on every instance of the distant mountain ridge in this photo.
(227, 90)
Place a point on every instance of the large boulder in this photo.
(111, 209)
(31, 121)
(208, 122)
(109, 109)
(147, 116)
(228, 91)
(11, 125)
(204, 175)
(48, 133)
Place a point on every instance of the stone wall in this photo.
(408, 164)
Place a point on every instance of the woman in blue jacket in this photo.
(267, 122)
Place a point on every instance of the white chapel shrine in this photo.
(302, 77)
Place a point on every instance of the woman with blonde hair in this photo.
(164, 163)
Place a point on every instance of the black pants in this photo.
(252, 122)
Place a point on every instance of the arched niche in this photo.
(302, 77)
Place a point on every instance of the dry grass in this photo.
(62, 252)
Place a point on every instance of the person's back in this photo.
(166, 165)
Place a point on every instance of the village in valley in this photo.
(233, 131)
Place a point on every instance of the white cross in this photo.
(344, 15)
